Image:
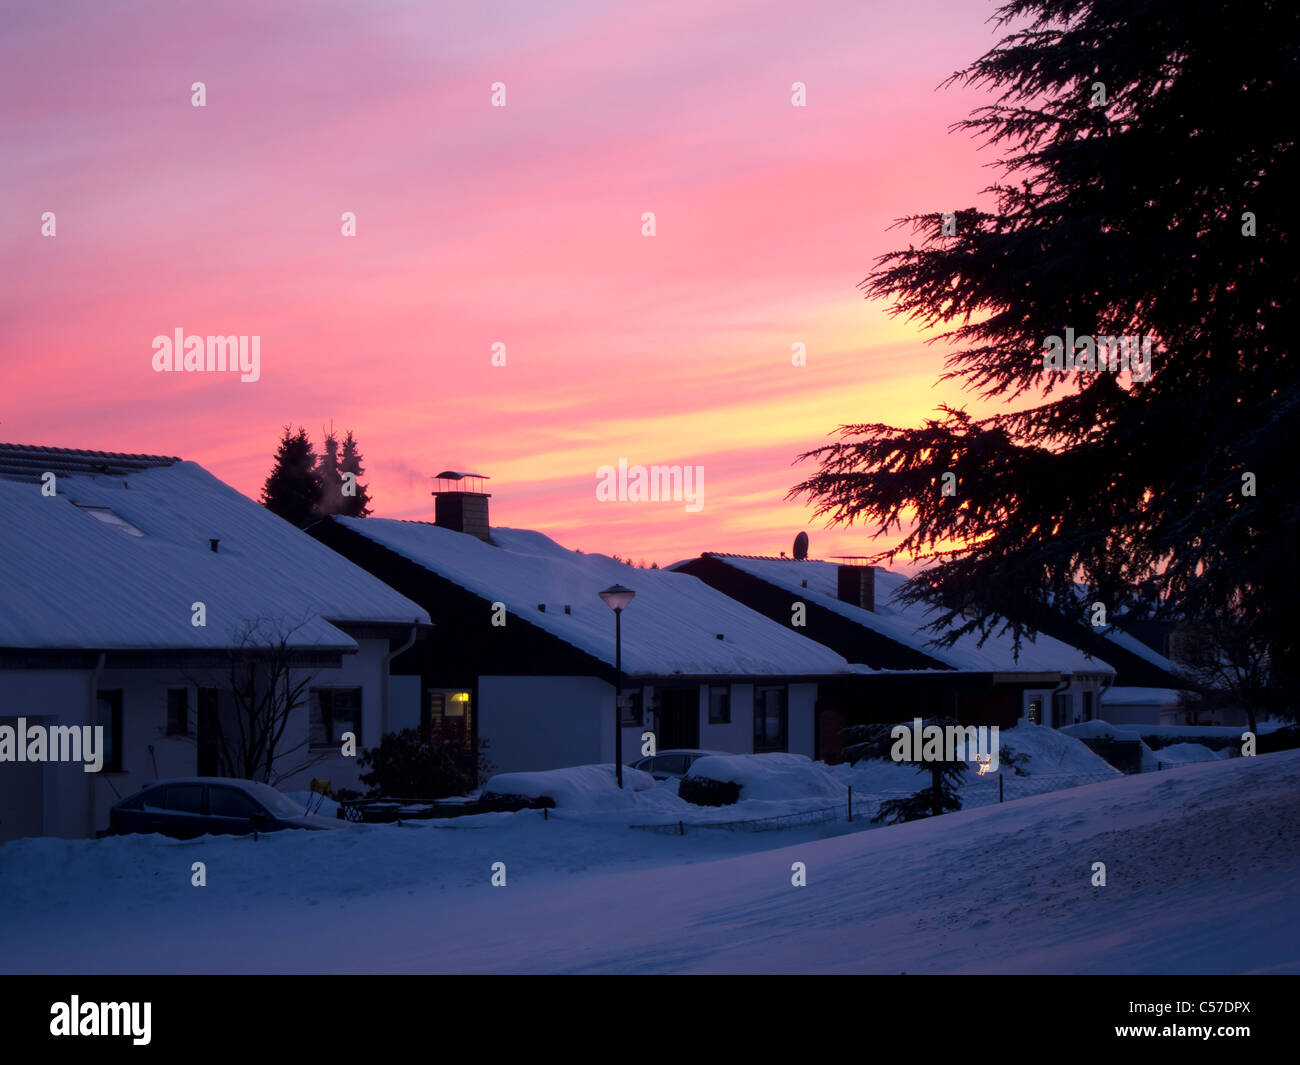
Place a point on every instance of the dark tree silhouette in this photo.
(941, 797)
(356, 505)
(1160, 206)
(293, 488)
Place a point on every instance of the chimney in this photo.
(856, 585)
(460, 504)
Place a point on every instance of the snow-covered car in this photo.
(667, 764)
(221, 806)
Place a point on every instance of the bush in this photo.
(705, 792)
(492, 802)
(405, 766)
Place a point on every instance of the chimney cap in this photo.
(453, 475)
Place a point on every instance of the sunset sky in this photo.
(479, 224)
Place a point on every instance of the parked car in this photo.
(221, 806)
(667, 764)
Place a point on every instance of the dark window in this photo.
(630, 712)
(1088, 709)
(185, 798)
(670, 763)
(153, 799)
(1062, 710)
(178, 711)
(769, 719)
(335, 711)
(720, 704)
(230, 802)
(108, 716)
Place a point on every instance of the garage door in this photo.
(20, 796)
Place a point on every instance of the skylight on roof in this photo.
(109, 518)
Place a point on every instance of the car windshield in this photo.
(278, 803)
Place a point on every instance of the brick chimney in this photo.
(460, 504)
(856, 585)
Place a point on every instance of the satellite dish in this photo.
(801, 546)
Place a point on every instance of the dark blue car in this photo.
(219, 806)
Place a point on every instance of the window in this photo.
(154, 799)
(1062, 709)
(230, 802)
(178, 711)
(1088, 709)
(185, 798)
(109, 518)
(108, 716)
(669, 763)
(630, 709)
(334, 711)
(1034, 713)
(449, 718)
(720, 704)
(770, 719)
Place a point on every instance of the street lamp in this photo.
(616, 597)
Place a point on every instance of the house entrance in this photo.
(679, 719)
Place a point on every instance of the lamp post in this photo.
(616, 597)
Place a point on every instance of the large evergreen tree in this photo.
(1149, 175)
(293, 488)
(356, 505)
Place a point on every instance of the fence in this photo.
(864, 806)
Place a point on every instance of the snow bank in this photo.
(1051, 758)
(770, 777)
(1183, 753)
(1101, 730)
(579, 788)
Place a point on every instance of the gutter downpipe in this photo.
(383, 688)
(90, 720)
(1060, 689)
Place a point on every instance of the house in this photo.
(857, 611)
(1149, 682)
(526, 655)
(134, 588)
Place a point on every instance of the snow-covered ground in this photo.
(1202, 865)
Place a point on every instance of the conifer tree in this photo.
(941, 797)
(1148, 186)
(356, 505)
(292, 489)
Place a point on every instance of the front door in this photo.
(679, 719)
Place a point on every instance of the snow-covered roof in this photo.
(906, 624)
(117, 558)
(670, 628)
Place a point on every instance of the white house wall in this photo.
(533, 723)
(801, 727)
(49, 799)
(736, 737)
